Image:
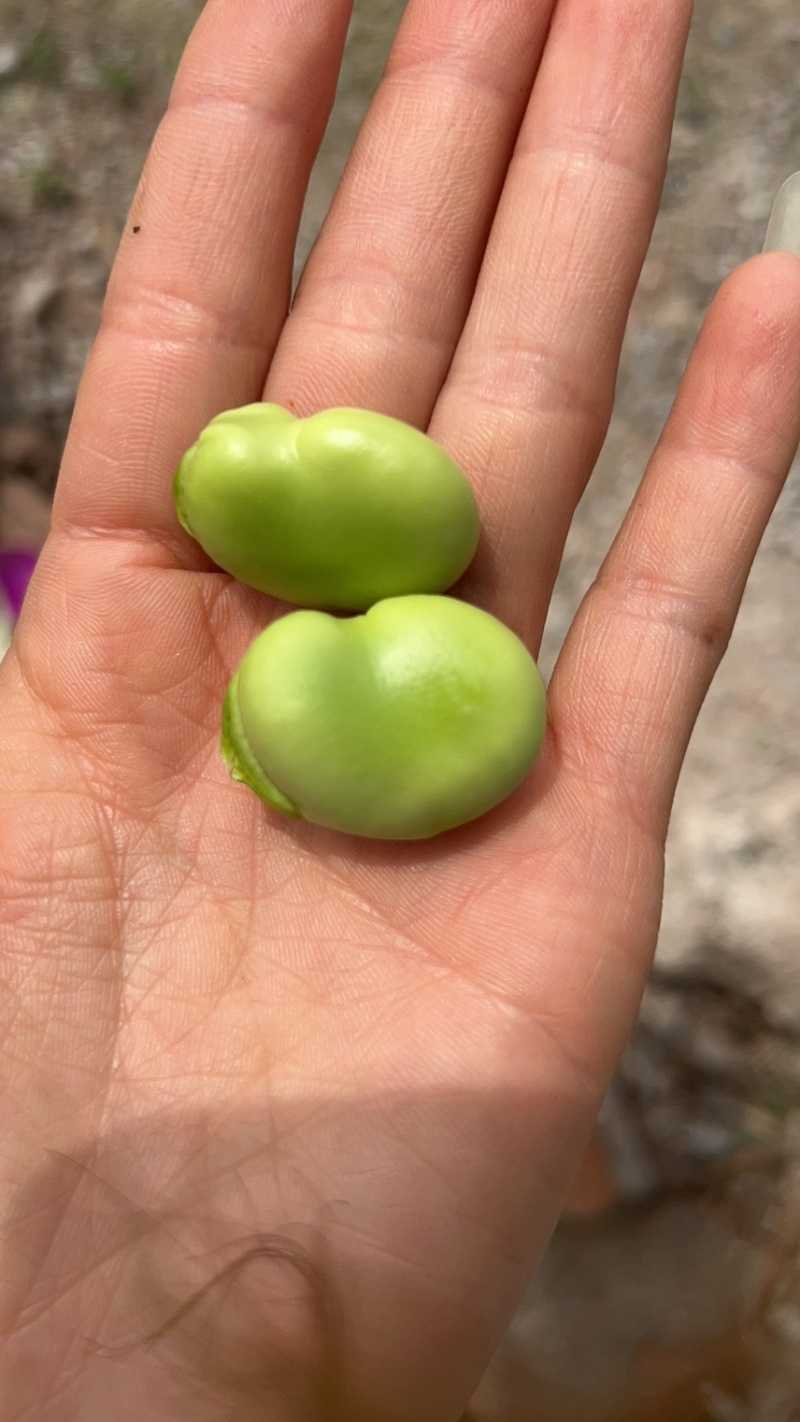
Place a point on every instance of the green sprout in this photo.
(121, 82)
(52, 186)
(42, 60)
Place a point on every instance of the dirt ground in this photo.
(673, 1286)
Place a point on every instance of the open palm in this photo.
(288, 1117)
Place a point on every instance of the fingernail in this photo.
(783, 233)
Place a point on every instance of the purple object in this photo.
(16, 568)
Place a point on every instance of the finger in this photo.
(387, 289)
(650, 634)
(202, 282)
(527, 402)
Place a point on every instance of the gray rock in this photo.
(670, 1286)
(36, 296)
(10, 58)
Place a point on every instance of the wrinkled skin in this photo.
(288, 1118)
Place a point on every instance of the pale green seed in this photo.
(413, 719)
(339, 510)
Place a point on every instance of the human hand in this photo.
(287, 1117)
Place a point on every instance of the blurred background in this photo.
(671, 1292)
